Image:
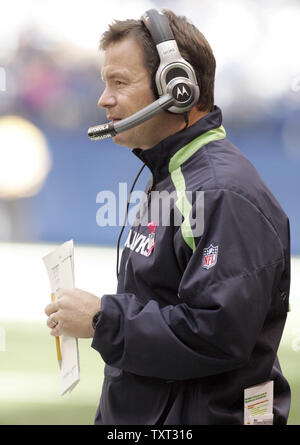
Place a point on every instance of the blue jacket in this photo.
(202, 299)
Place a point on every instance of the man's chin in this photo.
(122, 140)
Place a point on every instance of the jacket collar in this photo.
(157, 158)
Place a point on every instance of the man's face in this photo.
(128, 89)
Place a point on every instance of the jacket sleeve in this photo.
(221, 309)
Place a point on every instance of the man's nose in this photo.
(107, 100)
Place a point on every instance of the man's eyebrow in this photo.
(111, 74)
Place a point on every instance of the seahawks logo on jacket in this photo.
(141, 243)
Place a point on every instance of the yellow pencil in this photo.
(58, 352)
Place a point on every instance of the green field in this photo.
(29, 383)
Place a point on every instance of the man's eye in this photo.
(118, 83)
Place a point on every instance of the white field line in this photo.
(44, 388)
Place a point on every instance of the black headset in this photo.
(175, 80)
(174, 75)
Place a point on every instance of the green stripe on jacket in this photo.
(181, 156)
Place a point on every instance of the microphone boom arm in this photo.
(108, 130)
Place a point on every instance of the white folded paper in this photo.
(60, 268)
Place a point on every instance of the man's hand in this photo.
(73, 311)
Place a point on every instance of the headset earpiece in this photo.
(173, 67)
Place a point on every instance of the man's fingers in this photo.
(52, 321)
(55, 332)
(68, 291)
(50, 308)
(53, 324)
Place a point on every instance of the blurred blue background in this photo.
(51, 77)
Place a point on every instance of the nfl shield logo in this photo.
(210, 255)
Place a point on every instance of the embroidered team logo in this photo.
(151, 237)
(210, 256)
(140, 243)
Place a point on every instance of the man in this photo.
(199, 311)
